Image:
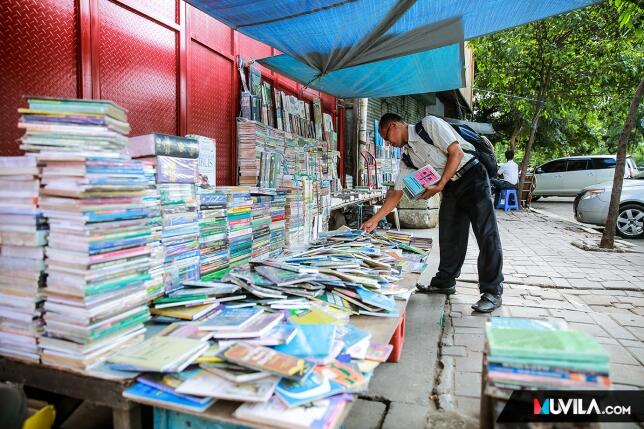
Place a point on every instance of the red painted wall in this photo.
(171, 65)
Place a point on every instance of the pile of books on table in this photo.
(278, 223)
(294, 213)
(239, 207)
(542, 354)
(155, 286)
(261, 223)
(213, 232)
(23, 235)
(176, 162)
(98, 256)
(286, 370)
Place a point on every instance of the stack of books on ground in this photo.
(98, 256)
(213, 232)
(545, 355)
(154, 286)
(278, 223)
(23, 235)
(294, 213)
(195, 301)
(239, 207)
(261, 223)
(285, 370)
(175, 160)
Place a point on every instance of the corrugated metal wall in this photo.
(169, 64)
(409, 108)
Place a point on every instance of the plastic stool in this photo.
(508, 200)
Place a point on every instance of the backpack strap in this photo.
(422, 133)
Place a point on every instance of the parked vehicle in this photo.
(591, 206)
(566, 177)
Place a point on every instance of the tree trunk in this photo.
(608, 237)
(528, 147)
(515, 135)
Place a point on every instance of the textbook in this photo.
(254, 329)
(159, 354)
(211, 385)
(231, 319)
(152, 395)
(311, 388)
(415, 182)
(322, 414)
(233, 372)
(266, 359)
(313, 342)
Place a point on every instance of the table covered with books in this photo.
(126, 278)
(332, 292)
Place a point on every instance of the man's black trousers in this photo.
(468, 201)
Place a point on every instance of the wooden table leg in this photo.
(127, 418)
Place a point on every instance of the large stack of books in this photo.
(278, 223)
(542, 354)
(23, 235)
(176, 162)
(261, 224)
(294, 213)
(239, 208)
(180, 235)
(213, 232)
(97, 253)
(154, 286)
(260, 154)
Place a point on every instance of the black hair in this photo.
(387, 119)
(509, 155)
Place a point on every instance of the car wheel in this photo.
(630, 221)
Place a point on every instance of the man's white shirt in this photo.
(422, 153)
(510, 172)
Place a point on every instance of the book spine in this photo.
(175, 146)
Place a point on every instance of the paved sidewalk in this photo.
(597, 292)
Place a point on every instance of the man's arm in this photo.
(392, 200)
(454, 156)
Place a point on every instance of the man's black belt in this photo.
(464, 169)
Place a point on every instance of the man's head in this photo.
(393, 129)
(509, 155)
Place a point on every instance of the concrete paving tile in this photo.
(365, 415)
(589, 328)
(471, 363)
(572, 316)
(629, 320)
(467, 384)
(403, 415)
(638, 332)
(470, 407)
(632, 375)
(638, 353)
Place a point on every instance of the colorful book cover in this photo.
(322, 414)
(356, 341)
(415, 182)
(379, 352)
(313, 342)
(150, 394)
(379, 300)
(159, 354)
(255, 329)
(231, 319)
(266, 359)
(347, 375)
(311, 388)
(207, 384)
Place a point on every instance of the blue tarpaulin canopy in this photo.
(375, 48)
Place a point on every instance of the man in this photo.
(510, 173)
(466, 199)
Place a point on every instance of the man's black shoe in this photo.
(435, 289)
(488, 303)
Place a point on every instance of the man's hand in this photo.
(431, 190)
(370, 225)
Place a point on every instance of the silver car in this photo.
(591, 206)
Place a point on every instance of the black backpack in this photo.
(483, 152)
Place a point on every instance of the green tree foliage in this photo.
(584, 65)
